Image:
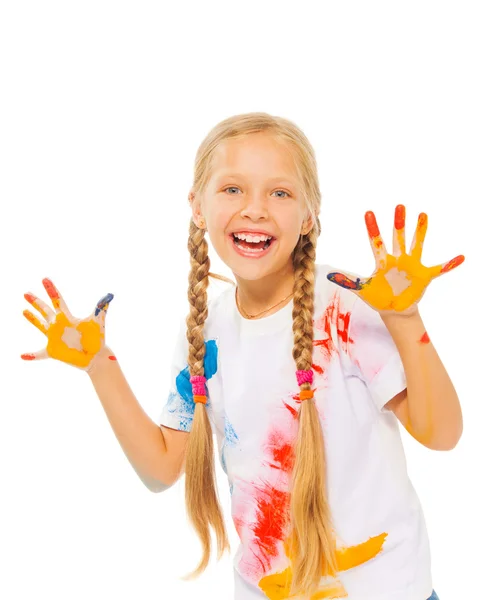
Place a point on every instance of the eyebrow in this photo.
(280, 178)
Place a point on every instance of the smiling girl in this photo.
(302, 373)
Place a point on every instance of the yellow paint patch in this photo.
(89, 334)
(277, 586)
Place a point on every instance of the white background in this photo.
(103, 106)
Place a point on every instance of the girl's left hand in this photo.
(399, 280)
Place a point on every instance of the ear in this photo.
(307, 225)
(196, 211)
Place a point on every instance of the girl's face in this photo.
(253, 188)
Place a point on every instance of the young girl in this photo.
(300, 371)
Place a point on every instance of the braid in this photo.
(198, 298)
(201, 497)
(312, 538)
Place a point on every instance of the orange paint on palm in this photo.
(89, 338)
(400, 217)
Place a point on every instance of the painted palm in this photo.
(399, 280)
(70, 340)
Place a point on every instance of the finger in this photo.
(419, 236)
(447, 266)
(101, 308)
(57, 299)
(35, 355)
(399, 231)
(343, 280)
(375, 239)
(41, 306)
(35, 321)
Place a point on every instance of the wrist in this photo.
(104, 357)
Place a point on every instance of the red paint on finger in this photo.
(28, 356)
(371, 224)
(30, 297)
(422, 220)
(399, 217)
(112, 357)
(425, 338)
(452, 264)
(49, 286)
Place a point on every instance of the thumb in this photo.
(101, 309)
(343, 280)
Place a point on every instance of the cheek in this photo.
(218, 219)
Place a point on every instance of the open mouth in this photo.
(252, 243)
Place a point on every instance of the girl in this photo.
(320, 495)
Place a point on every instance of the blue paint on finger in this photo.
(103, 303)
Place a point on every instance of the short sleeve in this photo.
(374, 354)
(178, 412)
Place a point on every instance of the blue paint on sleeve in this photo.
(231, 437)
(222, 457)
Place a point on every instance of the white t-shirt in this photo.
(253, 405)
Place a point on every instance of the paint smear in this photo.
(341, 321)
(182, 402)
(425, 338)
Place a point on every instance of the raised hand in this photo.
(399, 280)
(70, 340)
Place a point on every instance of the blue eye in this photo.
(232, 187)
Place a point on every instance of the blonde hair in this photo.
(311, 541)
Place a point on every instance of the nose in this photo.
(255, 206)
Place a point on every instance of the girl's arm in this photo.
(430, 411)
(157, 462)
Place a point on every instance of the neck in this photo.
(259, 294)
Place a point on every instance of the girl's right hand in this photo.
(73, 341)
